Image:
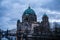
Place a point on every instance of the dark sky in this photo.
(12, 10)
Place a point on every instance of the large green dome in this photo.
(29, 15)
(29, 11)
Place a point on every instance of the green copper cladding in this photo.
(29, 11)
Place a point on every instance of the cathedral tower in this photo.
(45, 23)
(18, 30)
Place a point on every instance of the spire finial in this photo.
(29, 6)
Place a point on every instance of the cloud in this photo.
(12, 10)
(54, 5)
(54, 20)
(51, 14)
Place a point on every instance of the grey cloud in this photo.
(12, 10)
(54, 5)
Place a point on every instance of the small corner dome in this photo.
(18, 21)
(29, 11)
(45, 15)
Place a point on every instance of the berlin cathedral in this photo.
(31, 29)
(29, 26)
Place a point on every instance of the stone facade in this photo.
(29, 24)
